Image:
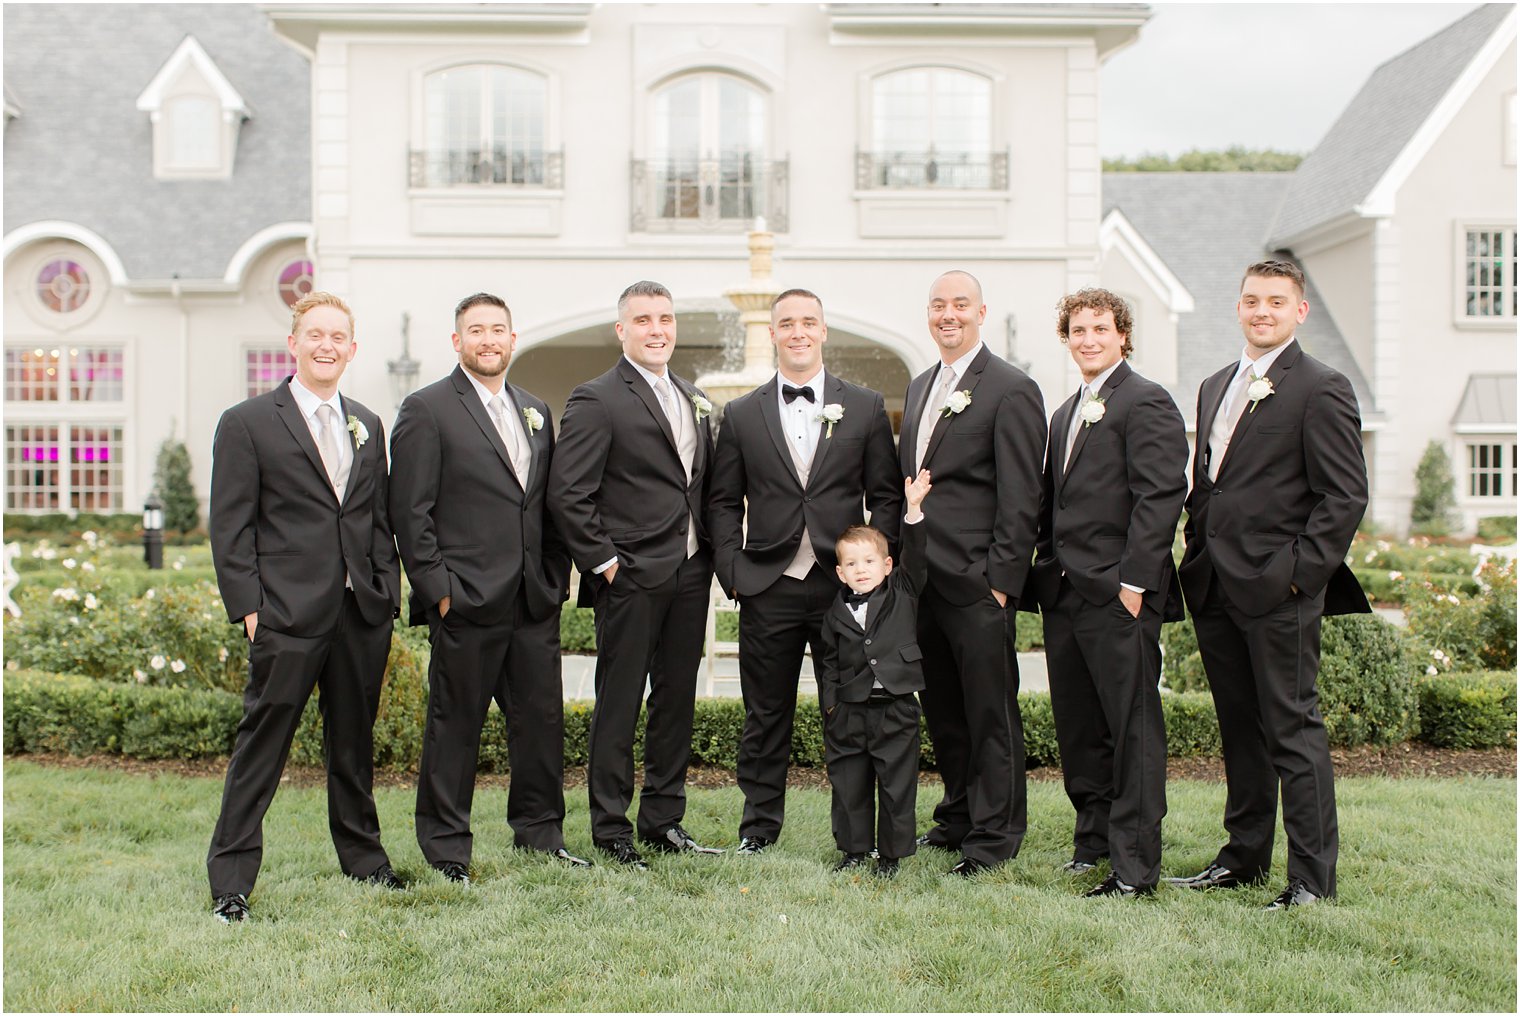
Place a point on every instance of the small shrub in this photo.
(577, 629)
(1192, 725)
(1474, 710)
(1435, 498)
(1181, 664)
(1458, 631)
(176, 489)
(1496, 529)
(1366, 681)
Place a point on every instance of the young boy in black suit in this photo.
(868, 672)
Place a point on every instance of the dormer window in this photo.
(195, 113)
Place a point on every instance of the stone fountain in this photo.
(754, 302)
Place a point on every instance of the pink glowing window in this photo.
(296, 282)
(63, 285)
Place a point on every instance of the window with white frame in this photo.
(52, 467)
(265, 367)
(931, 127)
(1488, 273)
(64, 374)
(485, 124)
(1491, 467)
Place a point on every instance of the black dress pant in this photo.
(347, 665)
(871, 749)
(1105, 667)
(655, 634)
(970, 696)
(1262, 673)
(775, 627)
(518, 664)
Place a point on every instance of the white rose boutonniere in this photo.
(701, 407)
(1093, 409)
(957, 402)
(830, 414)
(1259, 389)
(533, 418)
(357, 428)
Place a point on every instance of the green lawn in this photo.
(106, 909)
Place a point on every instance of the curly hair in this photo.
(1097, 300)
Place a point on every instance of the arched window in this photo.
(707, 164)
(485, 124)
(932, 127)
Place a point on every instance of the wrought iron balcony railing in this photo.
(931, 170)
(724, 194)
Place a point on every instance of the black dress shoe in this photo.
(1215, 876)
(754, 844)
(676, 840)
(968, 866)
(1076, 867)
(1111, 886)
(230, 908)
(623, 852)
(384, 876)
(561, 854)
(887, 867)
(453, 871)
(926, 840)
(1296, 895)
(850, 862)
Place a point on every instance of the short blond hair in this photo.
(863, 536)
(318, 298)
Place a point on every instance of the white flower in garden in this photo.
(68, 594)
(1371, 554)
(69, 562)
(1395, 576)
(90, 537)
(179, 566)
(148, 595)
(90, 603)
(141, 675)
(178, 666)
(88, 566)
(157, 663)
(12, 665)
(48, 553)
(221, 654)
(1431, 670)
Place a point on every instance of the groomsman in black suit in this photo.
(1279, 487)
(806, 450)
(627, 490)
(489, 571)
(978, 425)
(306, 564)
(1115, 479)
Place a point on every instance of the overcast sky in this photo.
(1258, 75)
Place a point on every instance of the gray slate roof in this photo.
(1207, 227)
(1489, 399)
(1383, 117)
(81, 151)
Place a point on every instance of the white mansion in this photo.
(177, 175)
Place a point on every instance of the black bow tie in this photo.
(790, 394)
(854, 599)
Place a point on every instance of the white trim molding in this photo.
(1116, 232)
(59, 229)
(258, 243)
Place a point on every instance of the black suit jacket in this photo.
(280, 540)
(985, 464)
(1289, 494)
(466, 527)
(887, 650)
(617, 487)
(854, 464)
(1108, 514)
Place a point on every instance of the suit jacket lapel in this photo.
(651, 401)
(353, 445)
(771, 414)
(1209, 398)
(470, 399)
(1275, 374)
(686, 403)
(914, 412)
(968, 383)
(535, 449)
(1058, 436)
(825, 437)
(1114, 381)
(295, 422)
(876, 604)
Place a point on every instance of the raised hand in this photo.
(916, 489)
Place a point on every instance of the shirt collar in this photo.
(815, 382)
(960, 363)
(1264, 363)
(486, 395)
(309, 401)
(652, 377)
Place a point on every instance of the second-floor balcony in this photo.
(719, 195)
(931, 170)
(497, 167)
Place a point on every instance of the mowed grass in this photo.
(106, 908)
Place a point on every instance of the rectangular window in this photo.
(95, 374)
(1486, 470)
(74, 467)
(31, 375)
(1489, 273)
(264, 369)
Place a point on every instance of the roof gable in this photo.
(190, 53)
(1390, 124)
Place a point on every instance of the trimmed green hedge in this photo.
(1468, 710)
(84, 716)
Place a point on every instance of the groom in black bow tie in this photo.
(808, 452)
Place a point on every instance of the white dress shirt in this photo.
(799, 418)
(1222, 431)
(309, 403)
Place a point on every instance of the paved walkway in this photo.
(579, 674)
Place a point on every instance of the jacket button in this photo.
(873, 663)
(1063, 505)
(868, 641)
(1211, 532)
(1060, 543)
(807, 497)
(1217, 492)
